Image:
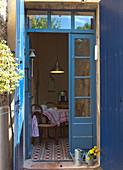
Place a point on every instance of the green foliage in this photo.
(42, 23)
(86, 26)
(9, 73)
(55, 24)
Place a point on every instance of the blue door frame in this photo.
(19, 91)
(82, 130)
(71, 33)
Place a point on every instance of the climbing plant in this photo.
(9, 72)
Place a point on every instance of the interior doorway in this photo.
(50, 91)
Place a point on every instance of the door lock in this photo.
(121, 99)
(72, 57)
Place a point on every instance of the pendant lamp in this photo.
(57, 69)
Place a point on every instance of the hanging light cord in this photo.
(57, 47)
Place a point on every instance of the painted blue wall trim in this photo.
(111, 63)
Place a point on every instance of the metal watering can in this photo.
(78, 158)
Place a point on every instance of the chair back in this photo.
(37, 110)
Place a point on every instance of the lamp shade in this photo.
(57, 69)
(32, 55)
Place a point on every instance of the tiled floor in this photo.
(54, 152)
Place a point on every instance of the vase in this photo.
(90, 162)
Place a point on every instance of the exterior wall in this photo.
(4, 135)
(7, 33)
(11, 24)
(3, 21)
(3, 36)
(11, 43)
(111, 18)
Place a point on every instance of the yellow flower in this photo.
(96, 150)
(95, 147)
(91, 151)
(95, 154)
(88, 158)
(98, 153)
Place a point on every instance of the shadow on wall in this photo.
(18, 164)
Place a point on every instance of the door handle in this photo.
(121, 99)
(27, 68)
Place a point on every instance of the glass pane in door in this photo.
(82, 108)
(82, 47)
(83, 82)
(82, 67)
(82, 87)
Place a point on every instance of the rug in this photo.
(53, 152)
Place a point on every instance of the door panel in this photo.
(28, 118)
(83, 89)
(85, 138)
(19, 91)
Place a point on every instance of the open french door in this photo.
(28, 98)
(82, 92)
(19, 91)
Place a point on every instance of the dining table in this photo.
(56, 116)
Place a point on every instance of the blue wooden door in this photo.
(28, 97)
(82, 86)
(19, 91)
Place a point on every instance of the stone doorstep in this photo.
(30, 165)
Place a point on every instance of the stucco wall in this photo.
(4, 137)
(11, 24)
(3, 19)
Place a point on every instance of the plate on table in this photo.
(52, 108)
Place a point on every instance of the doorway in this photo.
(81, 93)
(47, 90)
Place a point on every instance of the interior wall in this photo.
(45, 46)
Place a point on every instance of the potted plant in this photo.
(91, 154)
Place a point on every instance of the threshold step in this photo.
(31, 165)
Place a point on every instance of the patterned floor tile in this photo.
(54, 152)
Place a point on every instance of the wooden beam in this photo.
(70, 6)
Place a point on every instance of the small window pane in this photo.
(37, 19)
(82, 108)
(82, 47)
(82, 87)
(60, 20)
(84, 21)
(82, 67)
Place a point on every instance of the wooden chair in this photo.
(38, 111)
